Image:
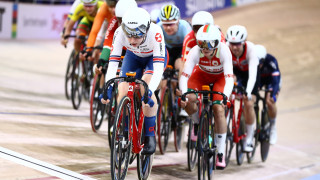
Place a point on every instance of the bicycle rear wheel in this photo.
(206, 150)
(164, 121)
(239, 147)
(111, 109)
(97, 109)
(68, 75)
(178, 129)
(76, 84)
(229, 138)
(120, 143)
(192, 148)
(264, 135)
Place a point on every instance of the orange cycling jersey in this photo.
(102, 14)
(190, 41)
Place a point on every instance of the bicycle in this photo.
(205, 143)
(68, 75)
(127, 145)
(263, 128)
(168, 114)
(235, 126)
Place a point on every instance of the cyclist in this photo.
(71, 11)
(145, 52)
(155, 13)
(271, 77)
(103, 17)
(174, 30)
(245, 68)
(88, 10)
(215, 66)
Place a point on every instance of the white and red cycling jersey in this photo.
(153, 45)
(248, 61)
(217, 69)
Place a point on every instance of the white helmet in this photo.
(208, 36)
(202, 18)
(236, 34)
(136, 22)
(261, 51)
(89, 2)
(123, 6)
(169, 12)
(155, 13)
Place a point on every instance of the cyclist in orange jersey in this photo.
(105, 14)
(88, 10)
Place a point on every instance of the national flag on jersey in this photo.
(114, 58)
(158, 59)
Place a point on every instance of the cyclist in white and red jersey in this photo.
(245, 68)
(271, 78)
(146, 53)
(215, 66)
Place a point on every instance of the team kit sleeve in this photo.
(253, 65)
(226, 58)
(186, 46)
(112, 26)
(115, 54)
(73, 8)
(158, 58)
(191, 60)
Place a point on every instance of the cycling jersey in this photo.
(247, 62)
(80, 12)
(270, 74)
(103, 14)
(152, 46)
(190, 41)
(209, 70)
(176, 40)
(112, 26)
(73, 8)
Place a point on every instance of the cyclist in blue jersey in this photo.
(271, 78)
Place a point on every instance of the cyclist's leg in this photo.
(83, 29)
(220, 121)
(272, 111)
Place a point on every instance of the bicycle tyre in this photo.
(178, 130)
(68, 76)
(206, 160)
(120, 146)
(265, 133)
(239, 147)
(76, 84)
(250, 155)
(97, 109)
(164, 121)
(229, 138)
(111, 109)
(192, 149)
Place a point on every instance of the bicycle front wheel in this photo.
(206, 150)
(76, 84)
(229, 138)
(68, 76)
(192, 148)
(178, 129)
(120, 143)
(239, 147)
(265, 135)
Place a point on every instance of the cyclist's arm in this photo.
(112, 26)
(186, 46)
(226, 58)
(192, 60)
(253, 64)
(115, 54)
(69, 27)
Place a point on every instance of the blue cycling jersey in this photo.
(176, 40)
(270, 73)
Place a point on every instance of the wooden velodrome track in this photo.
(37, 121)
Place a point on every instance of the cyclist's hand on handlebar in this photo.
(96, 69)
(178, 92)
(248, 96)
(150, 101)
(183, 104)
(105, 96)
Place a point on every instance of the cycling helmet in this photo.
(123, 6)
(112, 3)
(155, 13)
(236, 34)
(136, 22)
(202, 18)
(169, 12)
(89, 2)
(261, 51)
(208, 36)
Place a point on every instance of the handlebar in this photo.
(127, 79)
(183, 97)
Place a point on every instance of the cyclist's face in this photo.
(170, 27)
(207, 52)
(112, 10)
(135, 41)
(89, 9)
(236, 48)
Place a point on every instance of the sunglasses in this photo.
(203, 44)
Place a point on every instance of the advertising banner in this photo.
(40, 22)
(149, 6)
(246, 2)
(5, 20)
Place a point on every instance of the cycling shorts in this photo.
(134, 63)
(84, 26)
(199, 78)
(243, 76)
(174, 53)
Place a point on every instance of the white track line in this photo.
(40, 165)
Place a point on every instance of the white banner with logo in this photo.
(40, 21)
(246, 2)
(5, 20)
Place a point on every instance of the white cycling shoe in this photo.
(183, 113)
(273, 135)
